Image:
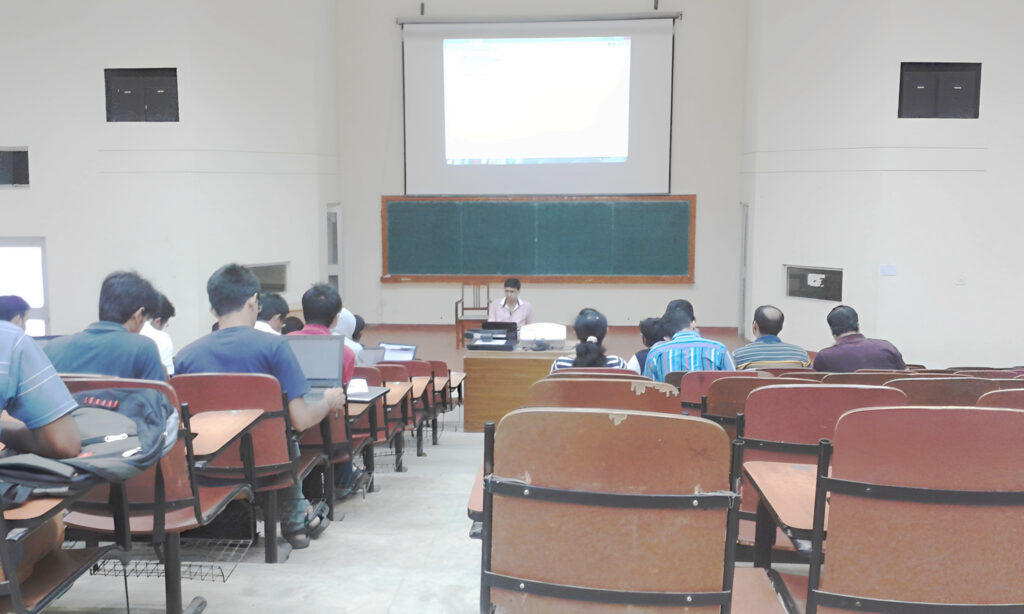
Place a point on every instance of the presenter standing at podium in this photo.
(511, 308)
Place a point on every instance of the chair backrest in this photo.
(777, 367)
(392, 373)
(802, 414)
(372, 375)
(943, 390)
(221, 391)
(474, 301)
(604, 394)
(599, 546)
(606, 372)
(439, 368)
(417, 368)
(727, 396)
(989, 373)
(864, 378)
(806, 413)
(174, 466)
(814, 375)
(694, 384)
(1013, 398)
(890, 549)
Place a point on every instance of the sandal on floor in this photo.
(298, 540)
(318, 521)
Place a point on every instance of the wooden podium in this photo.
(497, 382)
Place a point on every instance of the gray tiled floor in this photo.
(402, 550)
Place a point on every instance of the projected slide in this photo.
(536, 100)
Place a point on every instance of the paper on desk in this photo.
(357, 385)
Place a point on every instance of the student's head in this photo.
(127, 299)
(678, 316)
(512, 287)
(591, 326)
(681, 303)
(321, 304)
(291, 324)
(346, 325)
(651, 330)
(357, 334)
(842, 320)
(233, 288)
(768, 320)
(273, 309)
(163, 313)
(14, 309)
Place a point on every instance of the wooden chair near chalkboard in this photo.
(471, 309)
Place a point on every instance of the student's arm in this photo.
(306, 415)
(58, 439)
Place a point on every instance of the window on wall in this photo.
(14, 166)
(23, 262)
(142, 94)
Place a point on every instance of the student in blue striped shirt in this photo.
(687, 350)
(768, 350)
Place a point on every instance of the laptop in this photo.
(396, 351)
(321, 358)
(511, 329)
(370, 356)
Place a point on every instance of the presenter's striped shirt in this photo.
(687, 351)
(769, 349)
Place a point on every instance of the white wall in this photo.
(244, 176)
(707, 133)
(835, 179)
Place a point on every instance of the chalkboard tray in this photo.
(569, 239)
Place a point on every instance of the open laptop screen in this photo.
(320, 357)
(396, 351)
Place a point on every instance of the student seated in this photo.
(14, 309)
(591, 327)
(291, 324)
(354, 342)
(273, 311)
(686, 350)
(113, 346)
(853, 350)
(321, 306)
(237, 347)
(768, 350)
(36, 420)
(651, 332)
(154, 329)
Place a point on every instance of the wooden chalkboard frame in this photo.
(387, 277)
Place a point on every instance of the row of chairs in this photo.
(187, 490)
(782, 422)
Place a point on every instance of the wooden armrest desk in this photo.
(215, 431)
(786, 492)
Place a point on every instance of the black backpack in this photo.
(124, 431)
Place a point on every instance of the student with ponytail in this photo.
(591, 326)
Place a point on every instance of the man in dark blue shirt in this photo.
(112, 345)
(237, 347)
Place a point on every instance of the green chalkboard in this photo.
(646, 239)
